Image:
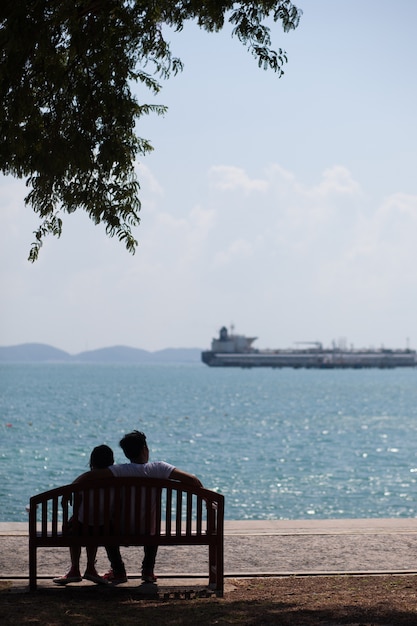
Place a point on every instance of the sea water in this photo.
(278, 443)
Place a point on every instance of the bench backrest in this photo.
(132, 508)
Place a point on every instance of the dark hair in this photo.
(101, 457)
(133, 443)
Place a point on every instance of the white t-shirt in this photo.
(156, 469)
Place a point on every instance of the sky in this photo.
(284, 207)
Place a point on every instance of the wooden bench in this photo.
(129, 512)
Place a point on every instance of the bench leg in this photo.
(220, 569)
(216, 568)
(32, 568)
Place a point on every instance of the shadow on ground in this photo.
(307, 601)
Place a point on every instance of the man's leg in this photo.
(148, 563)
(117, 573)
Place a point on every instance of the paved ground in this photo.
(251, 549)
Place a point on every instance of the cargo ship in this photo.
(231, 350)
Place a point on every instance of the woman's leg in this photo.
(73, 576)
(91, 557)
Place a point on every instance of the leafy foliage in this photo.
(68, 114)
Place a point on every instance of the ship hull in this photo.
(316, 360)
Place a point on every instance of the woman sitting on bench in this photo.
(101, 458)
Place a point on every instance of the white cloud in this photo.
(337, 180)
(230, 178)
(235, 252)
(148, 181)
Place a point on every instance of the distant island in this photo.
(43, 353)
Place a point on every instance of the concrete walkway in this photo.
(252, 548)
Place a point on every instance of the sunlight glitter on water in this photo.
(280, 444)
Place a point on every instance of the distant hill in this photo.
(42, 353)
(116, 354)
(32, 353)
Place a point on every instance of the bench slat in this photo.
(168, 511)
(178, 517)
